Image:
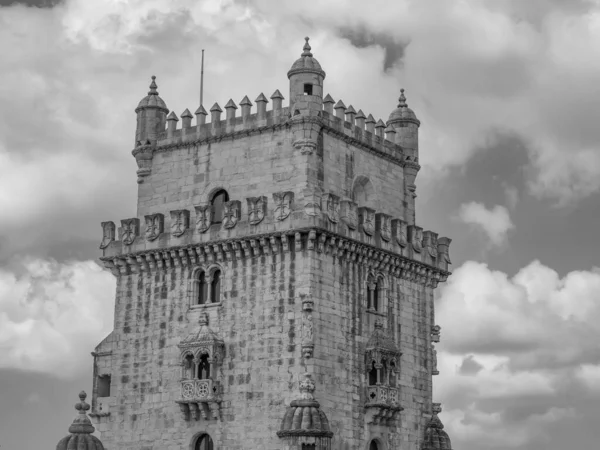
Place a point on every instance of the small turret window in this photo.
(308, 89)
(217, 202)
(104, 386)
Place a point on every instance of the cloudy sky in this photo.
(507, 93)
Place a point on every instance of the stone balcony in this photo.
(200, 398)
(382, 404)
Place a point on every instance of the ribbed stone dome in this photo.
(81, 430)
(304, 416)
(403, 112)
(152, 100)
(306, 63)
(435, 436)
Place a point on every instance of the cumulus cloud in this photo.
(495, 222)
(52, 315)
(519, 354)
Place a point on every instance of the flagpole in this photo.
(202, 79)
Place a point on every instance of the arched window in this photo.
(204, 368)
(204, 443)
(373, 446)
(373, 375)
(218, 199)
(188, 366)
(215, 287)
(362, 192)
(201, 288)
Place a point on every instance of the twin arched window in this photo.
(218, 200)
(207, 289)
(375, 289)
(201, 371)
(383, 374)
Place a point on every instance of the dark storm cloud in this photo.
(470, 366)
(361, 38)
(38, 3)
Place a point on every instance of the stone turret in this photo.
(405, 121)
(81, 430)
(306, 84)
(151, 116)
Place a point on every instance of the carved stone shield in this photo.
(366, 219)
(399, 232)
(204, 215)
(231, 213)
(444, 252)
(415, 236)
(384, 226)
(130, 229)
(180, 221)
(283, 204)
(154, 226)
(349, 213)
(430, 243)
(108, 234)
(257, 208)
(331, 205)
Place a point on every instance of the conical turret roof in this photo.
(81, 430)
(403, 113)
(306, 62)
(152, 100)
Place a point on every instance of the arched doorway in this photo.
(204, 442)
(373, 446)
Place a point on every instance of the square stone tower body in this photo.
(270, 249)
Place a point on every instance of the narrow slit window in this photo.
(202, 288)
(104, 386)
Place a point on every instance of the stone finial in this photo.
(360, 119)
(277, 100)
(215, 115)
(306, 49)
(173, 117)
(200, 115)
(340, 109)
(328, 99)
(81, 430)
(379, 127)
(216, 108)
(307, 387)
(153, 87)
(328, 104)
(277, 94)
(246, 105)
(172, 120)
(370, 123)
(402, 99)
(245, 101)
(350, 113)
(261, 98)
(230, 108)
(390, 133)
(186, 118)
(230, 104)
(261, 106)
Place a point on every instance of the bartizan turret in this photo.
(306, 84)
(151, 116)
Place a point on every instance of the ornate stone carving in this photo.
(108, 234)
(257, 208)
(312, 205)
(143, 154)
(435, 333)
(349, 213)
(399, 232)
(154, 226)
(308, 345)
(204, 214)
(384, 226)
(332, 207)
(130, 229)
(306, 146)
(232, 211)
(415, 236)
(180, 222)
(366, 219)
(283, 204)
(434, 368)
(430, 242)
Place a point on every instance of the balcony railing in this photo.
(200, 398)
(378, 395)
(199, 390)
(383, 404)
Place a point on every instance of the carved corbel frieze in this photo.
(283, 204)
(257, 208)
(308, 345)
(366, 220)
(232, 212)
(155, 224)
(415, 237)
(331, 205)
(204, 215)
(143, 154)
(306, 146)
(180, 222)
(349, 213)
(108, 234)
(312, 236)
(430, 242)
(383, 224)
(443, 248)
(130, 229)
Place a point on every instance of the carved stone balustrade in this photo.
(200, 398)
(382, 405)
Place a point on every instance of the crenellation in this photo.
(360, 119)
(172, 120)
(340, 110)
(230, 109)
(328, 103)
(379, 127)
(186, 119)
(370, 122)
(261, 106)
(350, 114)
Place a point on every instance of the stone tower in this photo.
(273, 288)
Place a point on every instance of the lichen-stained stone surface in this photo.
(257, 241)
